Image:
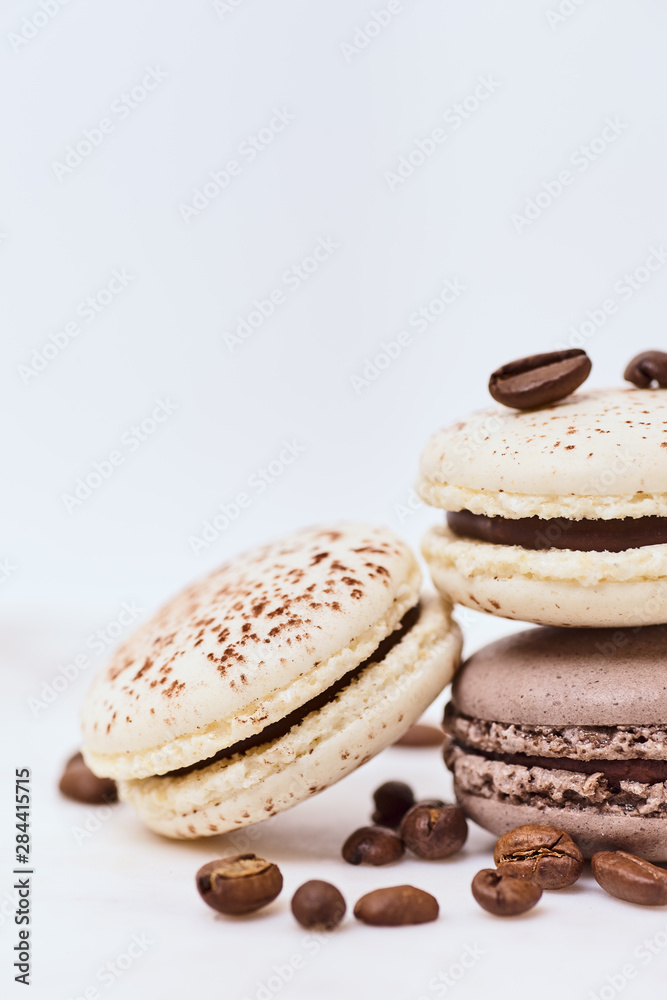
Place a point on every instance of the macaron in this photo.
(556, 515)
(566, 727)
(269, 680)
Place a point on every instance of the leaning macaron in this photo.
(566, 727)
(556, 515)
(269, 680)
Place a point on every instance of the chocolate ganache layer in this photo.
(276, 730)
(585, 535)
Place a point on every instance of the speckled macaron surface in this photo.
(569, 727)
(600, 453)
(597, 456)
(237, 653)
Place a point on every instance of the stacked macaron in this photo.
(556, 514)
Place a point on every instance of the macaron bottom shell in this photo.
(363, 719)
(553, 586)
(592, 831)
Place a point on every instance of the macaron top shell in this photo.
(242, 648)
(598, 453)
(568, 677)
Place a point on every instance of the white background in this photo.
(527, 286)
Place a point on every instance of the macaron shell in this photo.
(568, 677)
(369, 715)
(602, 443)
(551, 586)
(591, 831)
(245, 646)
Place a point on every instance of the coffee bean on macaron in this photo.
(540, 379)
(646, 369)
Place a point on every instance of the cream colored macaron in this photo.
(556, 515)
(269, 680)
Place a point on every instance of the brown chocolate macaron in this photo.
(566, 727)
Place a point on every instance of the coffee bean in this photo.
(79, 783)
(629, 877)
(546, 855)
(421, 736)
(373, 845)
(397, 906)
(504, 895)
(647, 368)
(239, 884)
(318, 905)
(392, 801)
(434, 831)
(540, 379)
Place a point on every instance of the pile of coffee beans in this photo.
(528, 859)
(430, 829)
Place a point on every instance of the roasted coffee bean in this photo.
(629, 877)
(239, 884)
(540, 379)
(434, 831)
(394, 907)
(421, 736)
(647, 368)
(392, 801)
(373, 845)
(546, 855)
(318, 905)
(79, 783)
(504, 895)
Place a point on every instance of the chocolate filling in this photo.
(648, 772)
(586, 535)
(280, 728)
